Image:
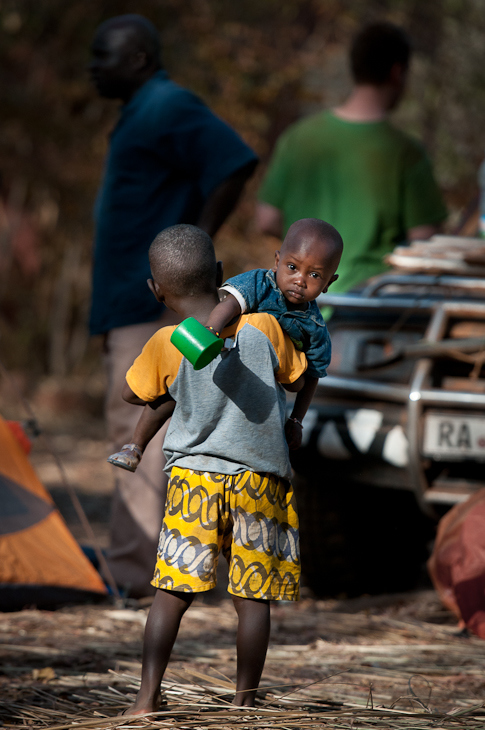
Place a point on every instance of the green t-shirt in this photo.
(369, 180)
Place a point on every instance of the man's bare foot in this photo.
(128, 458)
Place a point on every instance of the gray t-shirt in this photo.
(229, 416)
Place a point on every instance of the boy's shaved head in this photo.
(183, 258)
(301, 231)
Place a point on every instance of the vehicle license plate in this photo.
(454, 436)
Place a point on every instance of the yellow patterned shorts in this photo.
(250, 517)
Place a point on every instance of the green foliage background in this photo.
(260, 64)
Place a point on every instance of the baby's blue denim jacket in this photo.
(259, 292)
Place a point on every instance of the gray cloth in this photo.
(230, 415)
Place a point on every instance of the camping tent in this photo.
(41, 563)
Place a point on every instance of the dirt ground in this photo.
(385, 661)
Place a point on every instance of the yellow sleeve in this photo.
(156, 368)
(292, 362)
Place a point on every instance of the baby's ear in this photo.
(334, 278)
(276, 260)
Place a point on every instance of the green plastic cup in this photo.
(196, 342)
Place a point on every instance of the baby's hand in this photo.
(293, 433)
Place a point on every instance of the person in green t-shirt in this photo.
(352, 168)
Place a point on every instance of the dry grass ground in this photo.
(381, 662)
(390, 661)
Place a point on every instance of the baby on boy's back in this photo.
(304, 268)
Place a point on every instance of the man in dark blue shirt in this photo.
(170, 160)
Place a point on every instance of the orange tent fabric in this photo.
(36, 546)
(457, 563)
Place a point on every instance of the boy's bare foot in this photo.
(128, 458)
(142, 708)
(243, 705)
(245, 699)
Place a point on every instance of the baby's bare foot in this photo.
(128, 458)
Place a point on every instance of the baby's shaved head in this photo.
(307, 230)
(183, 257)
